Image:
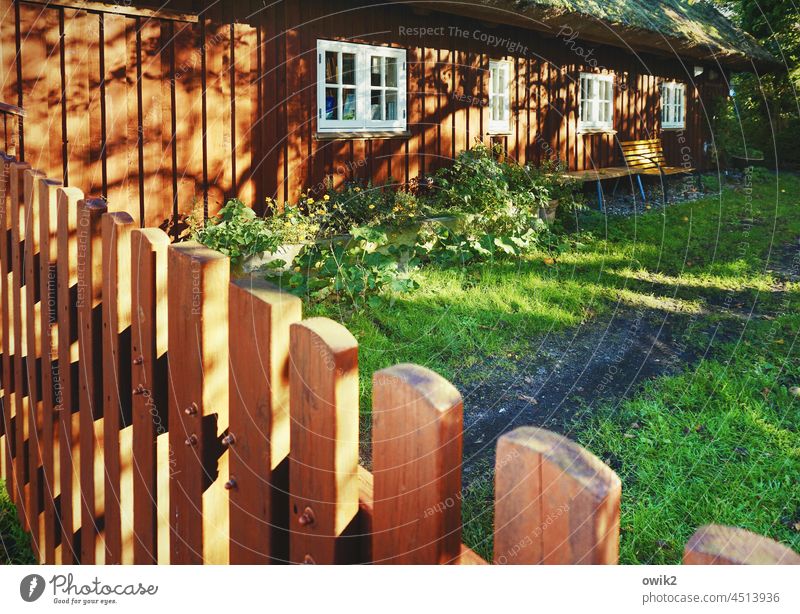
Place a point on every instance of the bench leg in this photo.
(641, 187)
(600, 196)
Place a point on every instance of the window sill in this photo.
(367, 134)
(610, 131)
(499, 133)
(673, 128)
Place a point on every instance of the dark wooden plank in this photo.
(6, 327)
(555, 503)
(188, 119)
(18, 298)
(67, 402)
(76, 89)
(51, 485)
(33, 357)
(121, 151)
(90, 380)
(117, 429)
(198, 403)
(151, 465)
(156, 167)
(217, 44)
(259, 419)
(323, 465)
(416, 443)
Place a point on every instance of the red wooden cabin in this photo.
(185, 103)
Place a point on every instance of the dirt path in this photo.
(605, 360)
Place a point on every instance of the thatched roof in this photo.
(689, 28)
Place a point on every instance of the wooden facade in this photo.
(181, 110)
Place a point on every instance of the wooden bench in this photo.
(645, 157)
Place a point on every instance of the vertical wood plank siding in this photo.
(165, 117)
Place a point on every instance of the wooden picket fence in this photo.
(155, 410)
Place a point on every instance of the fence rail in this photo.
(154, 410)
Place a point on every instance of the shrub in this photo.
(237, 232)
(502, 196)
(354, 271)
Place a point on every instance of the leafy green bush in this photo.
(238, 233)
(503, 196)
(353, 271)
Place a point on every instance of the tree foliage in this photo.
(765, 112)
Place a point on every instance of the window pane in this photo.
(391, 103)
(375, 104)
(495, 109)
(331, 103)
(584, 90)
(375, 70)
(391, 72)
(503, 78)
(585, 110)
(609, 113)
(493, 79)
(331, 67)
(348, 104)
(349, 68)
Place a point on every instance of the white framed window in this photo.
(673, 104)
(596, 102)
(360, 87)
(499, 76)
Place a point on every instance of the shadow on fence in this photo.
(156, 411)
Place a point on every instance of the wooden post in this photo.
(34, 354)
(48, 215)
(714, 544)
(323, 463)
(259, 419)
(151, 466)
(6, 326)
(18, 298)
(555, 503)
(416, 451)
(198, 403)
(67, 403)
(118, 432)
(90, 289)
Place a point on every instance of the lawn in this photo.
(715, 443)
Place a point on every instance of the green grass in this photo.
(14, 542)
(710, 445)
(719, 444)
(672, 260)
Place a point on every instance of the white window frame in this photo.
(363, 87)
(596, 83)
(673, 105)
(499, 126)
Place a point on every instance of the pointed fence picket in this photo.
(154, 410)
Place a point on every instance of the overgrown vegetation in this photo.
(497, 204)
(764, 114)
(14, 542)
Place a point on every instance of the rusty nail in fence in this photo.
(139, 360)
(230, 484)
(228, 440)
(307, 517)
(191, 410)
(307, 560)
(191, 440)
(139, 389)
